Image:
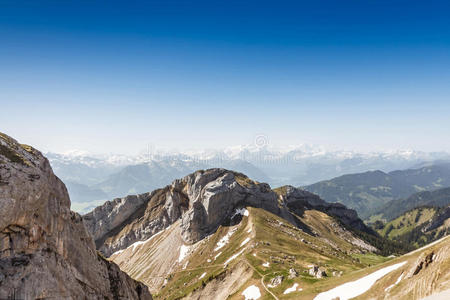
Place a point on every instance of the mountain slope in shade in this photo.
(436, 198)
(368, 192)
(46, 251)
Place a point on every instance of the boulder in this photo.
(292, 273)
(276, 281)
(317, 272)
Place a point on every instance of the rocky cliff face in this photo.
(297, 200)
(203, 201)
(45, 250)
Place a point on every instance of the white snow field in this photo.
(240, 211)
(392, 285)
(251, 293)
(233, 257)
(139, 243)
(183, 252)
(355, 288)
(291, 289)
(245, 241)
(217, 255)
(225, 239)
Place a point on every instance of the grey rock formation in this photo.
(45, 250)
(105, 218)
(276, 281)
(298, 200)
(292, 273)
(203, 201)
(317, 272)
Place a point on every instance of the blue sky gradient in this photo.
(114, 76)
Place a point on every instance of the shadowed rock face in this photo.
(203, 201)
(45, 250)
(300, 199)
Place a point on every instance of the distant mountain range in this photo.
(368, 192)
(92, 179)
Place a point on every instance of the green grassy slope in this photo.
(413, 227)
(438, 198)
(283, 247)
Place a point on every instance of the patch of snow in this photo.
(136, 244)
(251, 293)
(250, 230)
(240, 211)
(233, 257)
(245, 242)
(225, 239)
(118, 252)
(355, 288)
(208, 260)
(217, 255)
(254, 254)
(392, 285)
(266, 264)
(183, 252)
(201, 276)
(291, 289)
(185, 265)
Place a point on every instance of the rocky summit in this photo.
(45, 250)
(207, 234)
(202, 201)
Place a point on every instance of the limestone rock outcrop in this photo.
(298, 200)
(317, 272)
(45, 249)
(203, 201)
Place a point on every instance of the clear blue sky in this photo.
(114, 76)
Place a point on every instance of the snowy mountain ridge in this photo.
(300, 153)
